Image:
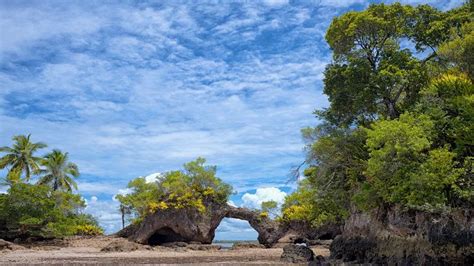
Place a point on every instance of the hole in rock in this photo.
(164, 235)
(232, 230)
(327, 236)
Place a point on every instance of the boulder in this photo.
(294, 231)
(297, 253)
(397, 236)
(9, 246)
(124, 246)
(319, 261)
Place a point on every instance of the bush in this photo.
(194, 188)
(38, 211)
(88, 230)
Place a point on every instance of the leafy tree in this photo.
(195, 187)
(399, 128)
(459, 52)
(371, 75)
(58, 172)
(20, 158)
(449, 102)
(38, 211)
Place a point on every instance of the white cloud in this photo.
(106, 212)
(261, 195)
(231, 203)
(153, 177)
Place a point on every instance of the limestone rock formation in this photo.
(9, 246)
(395, 236)
(295, 253)
(122, 245)
(302, 229)
(189, 225)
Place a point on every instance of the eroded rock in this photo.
(396, 236)
(188, 225)
(296, 253)
(124, 246)
(9, 246)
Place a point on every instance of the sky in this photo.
(132, 88)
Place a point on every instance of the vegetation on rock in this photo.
(193, 187)
(399, 127)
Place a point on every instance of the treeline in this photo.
(399, 129)
(47, 208)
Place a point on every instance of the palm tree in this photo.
(20, 158)
(58, 172)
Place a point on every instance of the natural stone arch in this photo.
(192, 226)
(269, 232)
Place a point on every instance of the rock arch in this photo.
(192, 226)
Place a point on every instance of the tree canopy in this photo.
(399, 127)
(193, 187)
(48, 208)
(20, 158)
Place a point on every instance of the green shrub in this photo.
(193, 187)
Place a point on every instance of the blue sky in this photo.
(131, 88)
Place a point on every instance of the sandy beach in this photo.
(88, 251)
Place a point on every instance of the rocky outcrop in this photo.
(9, 246)
(295, 230)
(122, 245)
(400, 237)
(189, 225)
(294, 253)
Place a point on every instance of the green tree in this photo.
(371, 76)
(459, 52)
(59, 173)
(399, 127)
(20, 158)
(194, 187)
(404, 168)
(37, 211)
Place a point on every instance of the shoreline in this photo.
(88, 251)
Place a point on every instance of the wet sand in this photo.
(87, 251)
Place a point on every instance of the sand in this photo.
(87, 251)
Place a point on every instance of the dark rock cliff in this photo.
(400, 237)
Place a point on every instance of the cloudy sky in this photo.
(133, 88)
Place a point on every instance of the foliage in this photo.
(399, 129)
(371, 76)
(194, 188)
(38, 211)
(88, 230)
(403, 169)
(20, 158)
(270, 208)
(308, 204)
(58, 172)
